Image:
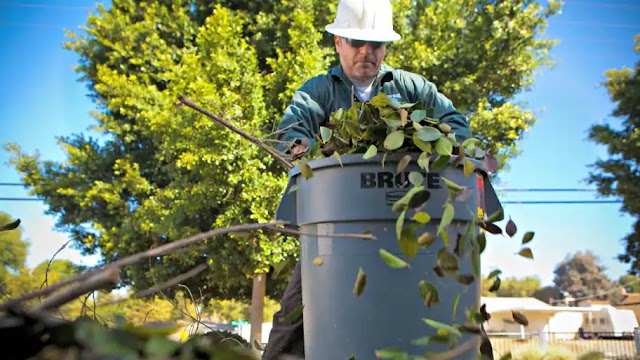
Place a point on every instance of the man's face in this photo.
(360, 60)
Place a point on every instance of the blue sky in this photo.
(40, 99)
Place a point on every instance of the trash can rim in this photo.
(355, 159)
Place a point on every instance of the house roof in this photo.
(528, 304)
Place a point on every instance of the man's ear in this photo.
(337, 41)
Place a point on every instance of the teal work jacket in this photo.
(320, 96)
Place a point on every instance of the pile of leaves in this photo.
(47, 337)
(384, 126)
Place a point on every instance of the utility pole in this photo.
(258, 293)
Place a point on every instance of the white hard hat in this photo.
(368, 20)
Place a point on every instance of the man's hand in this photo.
(299, 150)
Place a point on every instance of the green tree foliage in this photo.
(631, 283)
(581, 275)
(13, 249)
(159, 173)
(619, 174)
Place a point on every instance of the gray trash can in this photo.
(357, 196)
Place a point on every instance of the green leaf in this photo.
(408, 243)
(306, 170)
(423, 161)
(422, 145)
(391, 353)
(526, 252)
(392, 260)
(528, 236)
(361, 282)
(468, 167)
(380, 100)
(452, 186)
(507, 356)
(317, 261)
(403, 163)
(371, 152)
(294, 315)
(443, 329)
(10, 226)
(444, 147)
(455, 306)
(422, 217)
(426, 239)
(337, 156)
(429, 134)
(159, 346)
(325, 133)
(418, 115)
(428, 293)
(293, 188)
(394, 140)
(494, 273)
(440, 163)
(416, 178)
(447, 217)
(482, 241)
(448, 262)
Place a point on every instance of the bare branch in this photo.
(235, 129)
(345, 235)
(104, 279)
(46, 273)
(129, 260)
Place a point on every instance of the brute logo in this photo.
(389, 180)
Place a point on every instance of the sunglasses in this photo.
(360, 43)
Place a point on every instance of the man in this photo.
(361, 30)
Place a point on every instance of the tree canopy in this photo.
(154, 173)
(13, 249)
(619, 174)
(582, 276)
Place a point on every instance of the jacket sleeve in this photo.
(302, 118)
(443, 108)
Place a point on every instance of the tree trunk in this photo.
(257, 307)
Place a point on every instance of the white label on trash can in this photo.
(325, 243)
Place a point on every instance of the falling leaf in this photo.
(408, 243)
(423, 161)
(444, 147)
(490, 163)
(337, 156)
(402, 164)
(371, 152)
(416, 178)
(451, 185)
(511, 228)
(281, 268)
(440, 163)
(428, 293)
(456, 300)
(445, 128)
(491, 228)
(317, 261)
(448, 261)
(429, 134)
(10, 226)
(496, 216)
(465, 279)
(494, 273)
(392, 260)
(468, 167)
(426, 239)
(438, 270)
(519, 318)
(442, 327)
(361, 282)
(394, 140)
(496, 285)
(306, 170)
(528, 236)
(294, 315)
(391, 353)
(507, 356)
(482, 242)
(293, 188)
(526, 252)
(418, 199)
(352, 357)
(422, 217)
(325, 133)
(469, 328)
(447, 217)
(483, 311)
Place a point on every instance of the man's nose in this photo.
(366, 49)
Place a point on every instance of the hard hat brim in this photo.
(364, 35)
